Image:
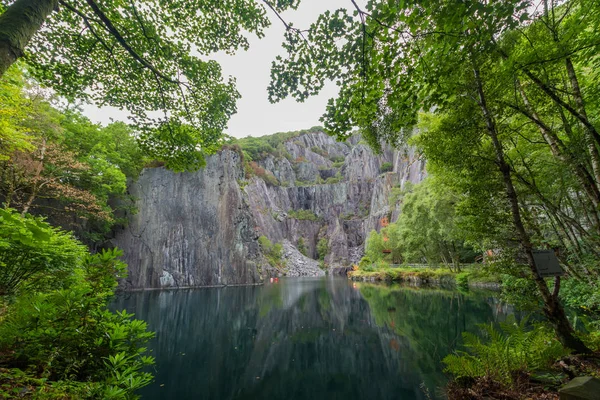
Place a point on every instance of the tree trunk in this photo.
(553, 310)
(18, 24)
(589, 139)
(36, 179)
(558, 150)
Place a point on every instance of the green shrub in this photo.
(338, 160)
(303, 215)
(302, 246)
(520, 292)
(386, 167)
(500, 353)
(462, 280)
(70, 338)
(322, 248)
(253, 169)
(333, 179)
(272, 252)
(364, 262)
(580, 294)
(319, 151)
(33, 254)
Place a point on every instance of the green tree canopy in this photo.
(149, 57)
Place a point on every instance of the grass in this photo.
(471, 276)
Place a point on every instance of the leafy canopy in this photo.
(151, 58)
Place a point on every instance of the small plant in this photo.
(462, 280)
(302, 246)
(364, 262)
(303, 215)
(501, 353)
(319, 151)
(322, 248)
(253, 169)
(386, 167)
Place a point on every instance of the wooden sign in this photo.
(546, 263)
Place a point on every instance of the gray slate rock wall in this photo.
(191, 229)
(201, 228)
(347, 210)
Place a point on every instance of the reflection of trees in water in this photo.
(299, 339)
(428, 321)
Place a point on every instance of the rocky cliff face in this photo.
(346, 199)
(201, 228)
(191, 229)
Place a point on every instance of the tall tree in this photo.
(393, 59)
(146, 56)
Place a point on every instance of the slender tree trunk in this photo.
(550, 92)
(10, 190)
(558, 150)
(553, 310)
(589, 139)
(36, 179)
(18, 24)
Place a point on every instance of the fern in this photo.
(499, 353)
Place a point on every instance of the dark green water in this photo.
(305, 339)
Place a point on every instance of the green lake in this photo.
(306, 339)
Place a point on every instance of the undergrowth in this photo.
(501, 354)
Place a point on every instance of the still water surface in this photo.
(305, 339)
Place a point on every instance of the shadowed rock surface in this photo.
(191, 229)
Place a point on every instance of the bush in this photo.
(302, 246)
(580, 294)
(273, 252)
(500, 354)
(364, 262)
(462, 280)
(69, 337)
(520, 292)
(33, 254)
(319, 151)
(253, 169)
(322, 248)
(303, 215)
(386, 167)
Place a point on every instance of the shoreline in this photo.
(423, 277)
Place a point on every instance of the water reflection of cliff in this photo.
(303, 339)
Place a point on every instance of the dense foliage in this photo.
(34, 255)
(425, 232)
(56, 332)
(509, 90)
(502, 353)
(148, 57)
(273, 252)
(55, 162)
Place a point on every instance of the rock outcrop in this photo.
(201, 228)
(191, 229)
(347, 200)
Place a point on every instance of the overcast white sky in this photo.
(256, 116)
